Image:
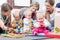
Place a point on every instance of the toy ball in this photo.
(13, 25)
(18, 26)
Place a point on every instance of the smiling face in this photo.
(33, 8)
(39, 16)
(48, 7)
(6, 13)
(28, 14)
(16, 16)
(6, 9)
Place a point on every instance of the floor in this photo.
(28, 37)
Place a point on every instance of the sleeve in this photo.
(36, 24)
(2, 25)
(47, 23)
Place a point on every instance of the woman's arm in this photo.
(2, 25)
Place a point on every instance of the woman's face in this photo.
(48, 6)
(6, 13)
(33, 8)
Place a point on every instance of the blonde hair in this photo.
(16, 13)
(27, 12)
(51, 2)
(37, 5)
(40, 13)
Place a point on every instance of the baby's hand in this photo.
(42, 25)
(13, 25)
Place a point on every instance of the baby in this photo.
(40, 24)
(27, 22)
(17, 22)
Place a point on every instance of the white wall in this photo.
(41, 2)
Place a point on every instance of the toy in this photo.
(6, 32)
(57, 29)
(16, 24)
(13, 25)
(18, 29)
(53, 35)
(57, 23)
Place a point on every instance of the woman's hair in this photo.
(36, 4)
(51, 2)
(5, 7)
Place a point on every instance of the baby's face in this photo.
(28, 16)
(17, 17)
(39, 17)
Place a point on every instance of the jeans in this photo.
(50, 28)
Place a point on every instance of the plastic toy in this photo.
(16, 24)
(18, 29)
(11, 30)
(6, 32)
(13, 25)
(57, 29)
(56, 35)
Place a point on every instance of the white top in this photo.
(27, 22)
(37, 24)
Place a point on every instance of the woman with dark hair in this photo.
(5, 17)
(49, 15)
(33, 8)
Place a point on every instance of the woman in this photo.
(33, 8)
(5, 17)
(50, 12)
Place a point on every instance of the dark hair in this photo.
(51, 2)
(5, 7)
